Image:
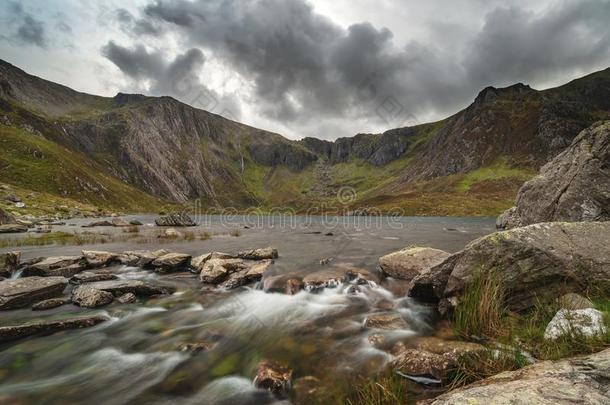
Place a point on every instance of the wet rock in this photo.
(95, 258)
(128, 298)
(13, 228)
(574, 301)
(119, 222)
(420, 363)
(363, 276)
(97, 223)
(537, 263)
(176, 219)
(253, 272)
(327, 278)
(581, 322)
(283, 284)
(377, 340)
(412, 261)
(16, 332)
(259, 254)
(137, 287)
(274, 377)
(571, 381)
(25, 291)
(89, 297)
(9, 262)
(571, 187)
(49, 304)
(91, 277)
(386, 321)
(171, 262)
(195, 348)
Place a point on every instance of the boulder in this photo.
(283, 284)
(89, 297)
(254, 272)
(13, 228)
(91, 277)
(119, 222)
(49, 304)
(259, 254)
(25, 291)
(274, 377)
(171, 262)
(215, 271)
(579, 380)
(537, 263)
(9, 263)
(580, 322)
(198, 262)
(411, 261)
(65, 266)
(128, 298)
(95, 258)
(327, 278)
(16, 332)
(175, 219)
(420, 363)
(137, 287)
(574, 186)
(386, 321)
(6, 218)
(573, 301)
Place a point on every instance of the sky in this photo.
(322, 68)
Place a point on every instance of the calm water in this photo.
(135, 358)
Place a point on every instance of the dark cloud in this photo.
(133, 26)
(305, 68)
(27, 28)
(180, 77)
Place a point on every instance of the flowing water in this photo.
(135, 357)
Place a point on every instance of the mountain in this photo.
(134, 152)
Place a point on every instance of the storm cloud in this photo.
(26, 28)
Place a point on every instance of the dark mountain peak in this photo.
(490, 94)
(122, 99)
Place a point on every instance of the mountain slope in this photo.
(470, 163)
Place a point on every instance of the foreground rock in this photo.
(410, 262)
(13, 228)
(176, 219)
(65, 266)
(25, 291)
(580, 380)
(136, 287)
(574, 186)
(274, 377)
(11, 333)
(586, 322)
(89, 297)
(535, 263)
(9, 263)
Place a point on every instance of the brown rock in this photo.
(273, 376)
(386, 321)
(284, 284)
(171, 262)
(49, 304)
(253, 272)
(99, 258)
(119, 222)
(128, 298)
(574, 301)
(137, 287)
(13, 228)
(195, 348)
(420, 363)
(327, 278)
(65, 266)
(259, 254)
(88, 297)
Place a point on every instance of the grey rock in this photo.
(171, 262)
(95, 258)
(411, 261)
(91, 277)
(16, 332)
(49, 304)
(253, 272)
(25, 291)
(65, 266)
(175, 219)
(137, 287)
(581, 322)
(536, 263)
(89, 297)
(119, 222)
(574, 186)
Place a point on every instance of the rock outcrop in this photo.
(579, 380)
(534, 263)
(574, 186)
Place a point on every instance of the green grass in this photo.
(499, 170)
(474, 367)
(385, 389)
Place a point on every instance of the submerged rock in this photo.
(283, 284)
(25, 291)
(411, 261)
(580, 322)
(574, 186)
(49, 304)
(97, 223)
(386, 321)
(176, 219)
(89, 297)
(327, 278)
(536, 263)
(9, 263)
(572, 381)
(15, 332)
(195, 348)
(274, 377)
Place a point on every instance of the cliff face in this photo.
(176, 152)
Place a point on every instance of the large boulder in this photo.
(9, 263)
(535, 263)
(574, 186)
(580, 380)
(16, 332)
(88, 297)
(411, 261)
(28, 290)
(215, 271)
(176, 219)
